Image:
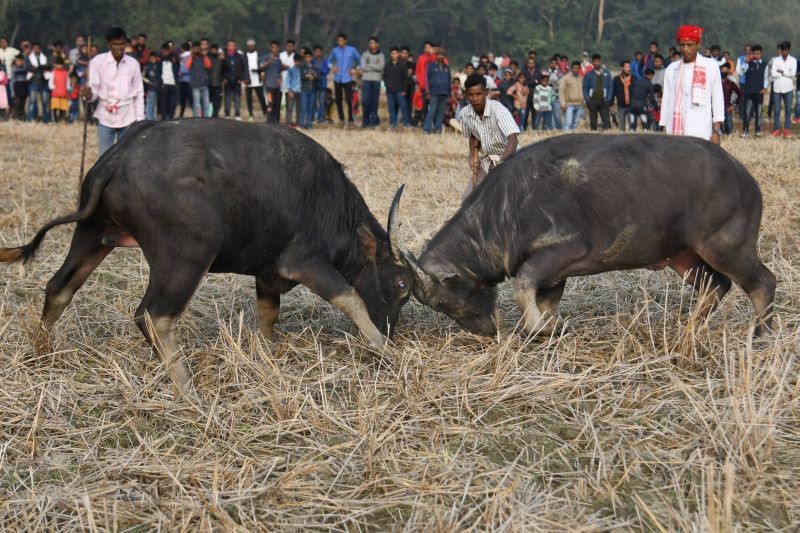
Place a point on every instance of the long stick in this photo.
(85, 125)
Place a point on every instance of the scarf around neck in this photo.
(698, 94)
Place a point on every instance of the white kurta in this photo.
(698, 119)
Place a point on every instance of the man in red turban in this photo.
(693, 103)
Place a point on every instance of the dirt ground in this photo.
(635, 416)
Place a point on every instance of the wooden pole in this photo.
(85, 125)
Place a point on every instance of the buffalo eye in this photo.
(401, 284)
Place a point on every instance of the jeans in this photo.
(370, 95)
(556, 115)
(248, 93)
(307, 99)
(622, 117)
(151, 105)
(572, 117)
(727, 126)
(786, 100)
(292, 107)
(397, 102)
(200, 102)
(319, 106)
(636, 114)
(347, 89)
(233, 92)
(74, 110)
(169, 100)
(274, 96)
(523, 118)
(545, 118)
(106, 136)
(596, 107)
(435, 116)
(36, 92)
(753, 104)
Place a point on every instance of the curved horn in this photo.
(401, 254)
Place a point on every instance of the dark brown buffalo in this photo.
(583, 204)
(204, 196)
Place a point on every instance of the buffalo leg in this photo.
(743, 266)
(711, 286)
(171, 286)
(326, 282)
(538, 286)
(268, 302)
(85, 254)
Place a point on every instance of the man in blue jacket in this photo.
(597, 92)
(344, 59)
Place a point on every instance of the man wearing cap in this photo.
(693, 102)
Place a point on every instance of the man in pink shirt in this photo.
(115, 81)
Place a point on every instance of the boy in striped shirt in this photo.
(490, 128)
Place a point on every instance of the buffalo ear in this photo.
(446, 276)
(369, 245)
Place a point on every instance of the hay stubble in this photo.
(634, 416)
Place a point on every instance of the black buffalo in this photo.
(204, 196)
(584, 204)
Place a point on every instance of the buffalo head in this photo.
(443, 285)
(383, 285)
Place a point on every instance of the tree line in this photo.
(615, 28)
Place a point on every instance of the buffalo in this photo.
(203, 196)
(583, 204)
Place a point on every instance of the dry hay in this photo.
(636, 416)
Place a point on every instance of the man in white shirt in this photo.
(783, 73)
(693, 102)
(254, 60)
(115, 83)
(287, 60)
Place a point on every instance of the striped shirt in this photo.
(491, 130)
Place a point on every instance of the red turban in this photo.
(688, 32)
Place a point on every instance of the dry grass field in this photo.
(635, 417)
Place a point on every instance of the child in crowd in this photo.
(329, 107)
(59, 90)
(543, 103)
(454, 102)
(294, 85)
(655, 112)
(505, 84)
(729, 90)
(519, 91)
(151, 76)
(642, 98)
(74, 97)
(19, 87)
(417, 105)
(309, 74)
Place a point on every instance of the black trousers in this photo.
(249, 98)
(347, 89)
(215, 95)
(167, 100)
(531, 112)
(20, 99)
(184, 96)
(602, 108)
(274, 107)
